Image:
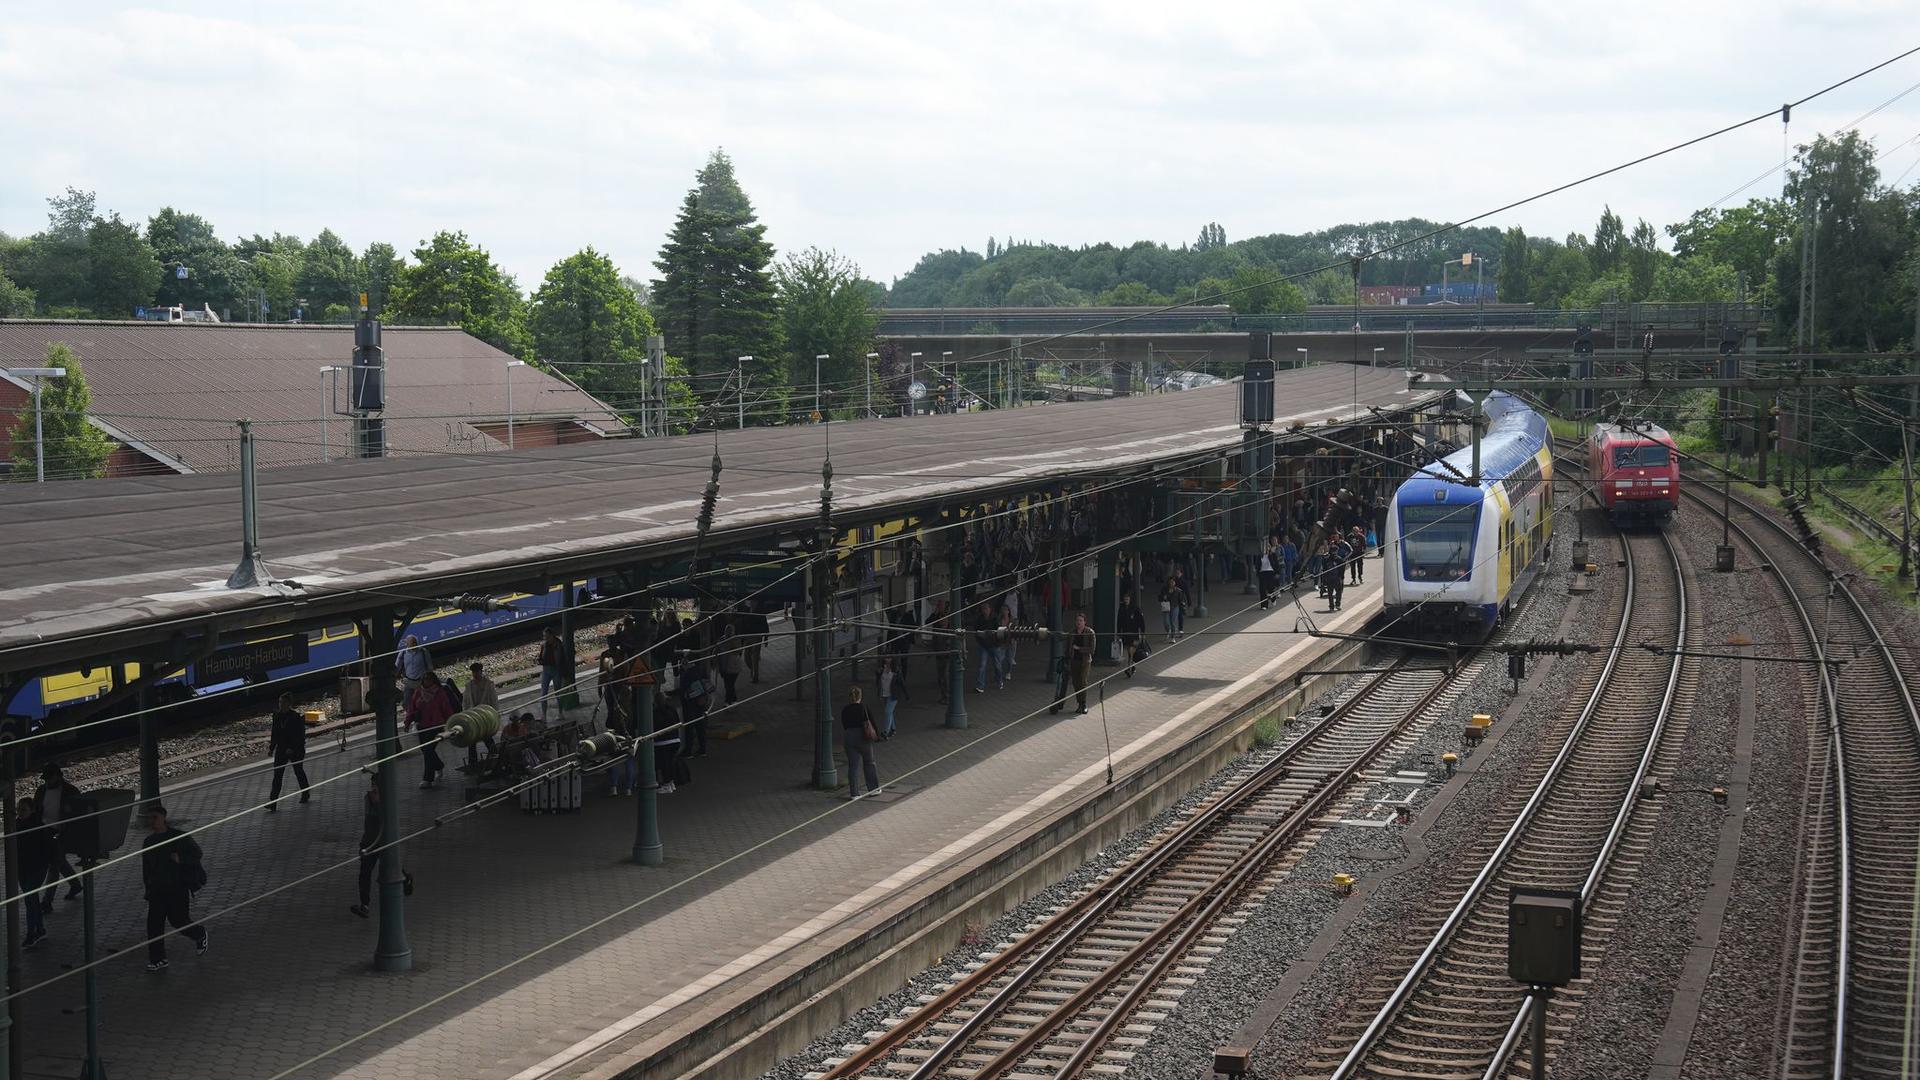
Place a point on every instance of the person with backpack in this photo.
(287, 741)
(172, 869)
(39, 851)
(428, 708)
(1132, 626)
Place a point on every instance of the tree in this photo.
(1132, 294)
(273, 274)
(75, 449)
(454, 283)
(587, 322)
(1514, 272)
(1643, 257)
(1330, 286)
(1609, 242)
(1563, 272)
(1212, 236)
(1257, 292)
(1695, 279)
(329, 274)
(715, 298)
(379, 267)
(825, 310)
(1037, 291)
(1746, 238)
(15, 302)
(993, 247)
(1861, 232)
(53, 263)
(122, 270)
(216, 278)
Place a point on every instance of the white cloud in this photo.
(890, 130)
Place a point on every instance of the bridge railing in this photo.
(1616, 319)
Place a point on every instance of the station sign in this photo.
(253, 658)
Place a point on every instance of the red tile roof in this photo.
(174, 389)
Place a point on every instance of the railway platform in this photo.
(539, 950)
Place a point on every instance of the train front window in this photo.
(1645, 456)
(1436, 540)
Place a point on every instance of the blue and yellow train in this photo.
(325, 651)
(1458, 553)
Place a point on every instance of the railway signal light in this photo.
(1583, 340)
(1516, 668)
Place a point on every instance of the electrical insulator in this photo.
(605, 744)
(1024, 632)
(480, 602)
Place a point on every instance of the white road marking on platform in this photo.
(853, 905)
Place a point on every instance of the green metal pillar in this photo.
(646, 832)
(392, 953)
(1106, 605)
(957, 640)
(826, 772)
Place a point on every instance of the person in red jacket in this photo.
(428, 708)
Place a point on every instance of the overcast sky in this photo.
(887, 130)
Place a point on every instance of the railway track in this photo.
(1452, 1011)
(1848, 1007)
(1066, 995)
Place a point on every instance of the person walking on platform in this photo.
(1132, 626)
(1357, 541)
(56, 797)
(986, 636)
(666, 742)
(172, 869)
(287, 741)
(38, 852)
(753, 634)
(371, 841)
(553, 669)
(1333, 577)
(1080, 658)
(427, 712)
(893, 691)
(728, 659)
(857, 736)
(1173, 606)
(480, 691)
(1269, 574)
(414, 663)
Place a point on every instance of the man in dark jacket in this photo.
(1080, 659)
(39, 850)
(56, 797)
(288, 743)
(1133, 630)
(170, 867)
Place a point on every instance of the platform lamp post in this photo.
(740, 391)
(1303, 355)
(872, 358)
(511, 364)
(946, 370)
(913, 376)
(1374, 361)
(818, 416)
(39, 375)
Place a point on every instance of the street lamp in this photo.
(740, 390)
(511, 364)
(913, 376)
(817, 414)
(326, 406)
(38, 375)
(1303, 355)
(947, 371)
(871, 357)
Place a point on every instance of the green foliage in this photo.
(1256, 292)
(1212, 236)
(15, 302)
(1643, 258)
(1558, 274)
(122, 272)
(1329, 287)
(1266, 731)
(826, 309)
(1862, 238)
(273, 274)
(379, 268)
(1746, 238)
(1515, 271)
(1131, 294)
(452, 282)
(1043, 292)
(1695, 279)
(216, 277)
(329, 273)
(1609, 243)
(1611, 288)
(75, 449)
(587, 322)
(715, 297)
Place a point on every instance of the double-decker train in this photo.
(1459, 553)
(1635, 471)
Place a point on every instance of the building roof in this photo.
(174, 390)
(99, 564)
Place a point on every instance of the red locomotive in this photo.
(1635, 471)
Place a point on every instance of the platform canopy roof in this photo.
(98, 566)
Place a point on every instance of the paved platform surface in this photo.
(757, 863)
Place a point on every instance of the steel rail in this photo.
(1830, 695)
(1073, 919)
(1477, 888)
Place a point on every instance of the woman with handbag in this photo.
(858, 736)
